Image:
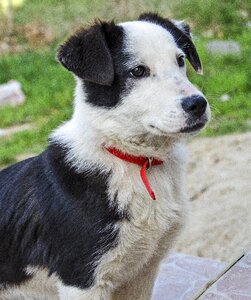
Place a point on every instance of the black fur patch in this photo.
(182, 37)
(110, 96)
(53, 217)
(86, 54)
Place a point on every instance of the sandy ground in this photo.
(219, 182)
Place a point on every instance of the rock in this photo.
(224, 98)
(11, 94)
(5, 132)
(243, 13)
(223, 47)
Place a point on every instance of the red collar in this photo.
(145, 162)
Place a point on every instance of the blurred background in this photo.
(30, 32)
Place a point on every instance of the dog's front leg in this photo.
(74, 293)
(139, 287)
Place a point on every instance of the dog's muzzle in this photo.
(195, 108)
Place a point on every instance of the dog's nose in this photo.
(194, 106)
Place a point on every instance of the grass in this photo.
(49, 92)
(49, 88)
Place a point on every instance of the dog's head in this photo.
(131, 78)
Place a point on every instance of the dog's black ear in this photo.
(192, 55)
(188, 46)
(87, 55)
(181, 34)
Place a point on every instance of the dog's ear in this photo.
(188, 46)
(87, 55)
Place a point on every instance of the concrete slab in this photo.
(182, 276)
(234, 284)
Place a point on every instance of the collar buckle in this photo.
(150, 160)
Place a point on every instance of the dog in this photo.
(97, 211)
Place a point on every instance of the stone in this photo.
(11, 94)
(225, 98)
(234, 284)
(223, 47)
(182, 276)
(5, 132)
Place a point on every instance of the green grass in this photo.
(223, 18)
(49, 92)
(49, 88)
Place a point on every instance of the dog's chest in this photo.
(149, 221)
(132, 196)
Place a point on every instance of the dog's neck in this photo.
(85, 143)
(143, 144)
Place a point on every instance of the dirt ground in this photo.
(219, 182)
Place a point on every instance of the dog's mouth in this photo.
(187, 129)
(193, 128)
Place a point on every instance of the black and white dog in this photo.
(81, 214)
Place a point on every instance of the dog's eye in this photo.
(181, 60)
(139, 71)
